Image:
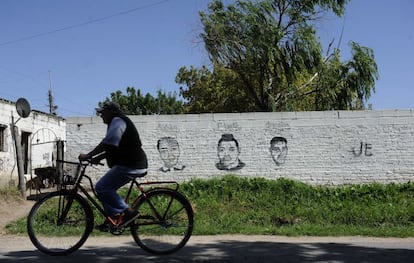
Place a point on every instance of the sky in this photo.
(83, 50)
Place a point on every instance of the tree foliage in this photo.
(217, 91)
(135, 103)
(266, 56)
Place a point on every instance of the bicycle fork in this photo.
(65, 203)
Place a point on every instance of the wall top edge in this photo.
(258, 115)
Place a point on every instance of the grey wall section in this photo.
(327, 148)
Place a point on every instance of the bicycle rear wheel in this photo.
(165, 221)
(59, 223)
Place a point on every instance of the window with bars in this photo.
(3, 138)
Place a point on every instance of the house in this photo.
(39, 132)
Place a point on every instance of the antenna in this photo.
(52, 106)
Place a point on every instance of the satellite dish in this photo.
(23, 107)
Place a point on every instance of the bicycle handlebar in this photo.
(83, 163)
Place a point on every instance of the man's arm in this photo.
(112, 139)
(97, 154)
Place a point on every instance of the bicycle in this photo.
(60, 222)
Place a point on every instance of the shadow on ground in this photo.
(227, 251)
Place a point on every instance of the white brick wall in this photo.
(323, 147)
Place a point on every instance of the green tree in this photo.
(217, 91)
(270, 52)
(134, 103)
(346, 85)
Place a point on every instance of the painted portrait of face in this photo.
(169, 151)
(228, 152)
(278, 150)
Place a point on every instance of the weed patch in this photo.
(235, 205)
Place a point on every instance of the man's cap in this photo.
(109, 105)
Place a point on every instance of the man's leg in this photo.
(106, 189)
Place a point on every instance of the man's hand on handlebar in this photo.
(84, 157)
(93, 160)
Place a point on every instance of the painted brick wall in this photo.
(329, 148)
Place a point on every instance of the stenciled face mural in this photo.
(228, 152)
(169, 151)
(278, 150)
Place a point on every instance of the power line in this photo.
(84, 23)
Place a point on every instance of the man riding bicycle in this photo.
(123, 151)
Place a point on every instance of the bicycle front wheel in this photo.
(165, 221)
(59, 223)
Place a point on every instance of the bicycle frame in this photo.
(143, 192)
(139, 186)
(163, 225)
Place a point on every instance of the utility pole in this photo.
(23, 109)
(52, 106)
(19, 157)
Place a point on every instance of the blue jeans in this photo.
(106, 188)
